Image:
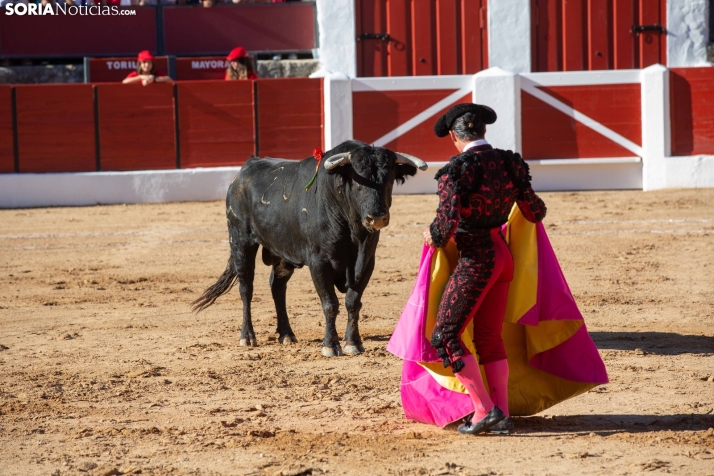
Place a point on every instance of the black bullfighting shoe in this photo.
(486, 423)
(503, 427)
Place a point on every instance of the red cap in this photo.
(236, 53)
(145, 56)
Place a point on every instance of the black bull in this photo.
(333, 228)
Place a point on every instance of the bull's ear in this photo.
(407, 159)
(402, 171)
(337, 160)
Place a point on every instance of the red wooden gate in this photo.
(421, 37)
(581, 35)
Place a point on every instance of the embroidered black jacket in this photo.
(477, 190)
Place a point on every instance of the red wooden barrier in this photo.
(219, 29)
(577, 35)
(692, 110)
(393, 108)
(201, 67)
(550, 134)
(7, 152)
(136, 126)
(425, 37)
(77, 35)
(216, 123)
(114, 70)
(290, 117)
(55, 128)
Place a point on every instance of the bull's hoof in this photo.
(354, 349)
(334, 351)
(250, 342)
(287, 339)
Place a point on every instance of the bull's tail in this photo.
(222, 286)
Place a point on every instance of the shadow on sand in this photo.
(604, 425)
(378, 338)
(662, 343)
(607, 424)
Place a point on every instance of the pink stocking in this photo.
(497, 375)
(470, 377)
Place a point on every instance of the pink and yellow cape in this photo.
(551, 356)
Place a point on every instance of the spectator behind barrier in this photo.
(241, 65)
(145, 71)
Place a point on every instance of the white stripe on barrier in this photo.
(411, 83)
(422, 116)
(572, 78)
(608, 160)
(585, 78)
(531, 88)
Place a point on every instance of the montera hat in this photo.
(483, 114)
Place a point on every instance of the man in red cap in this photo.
(146, 71)
(241, 65)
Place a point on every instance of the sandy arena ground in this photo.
(104, 370)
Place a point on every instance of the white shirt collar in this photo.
(475, 143)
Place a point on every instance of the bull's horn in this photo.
(403, 158)
(337, 160)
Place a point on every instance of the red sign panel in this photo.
(203, 67)
(55, 128)
(114, 70)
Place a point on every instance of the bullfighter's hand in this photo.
(148, 79)
(427, 237)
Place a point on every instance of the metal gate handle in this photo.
(637, 29)
(374, 36)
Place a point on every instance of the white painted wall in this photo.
(687, 32)
(553, 176)
(205, 184)
(656, 137)
(92, 188)
(688, 172)
(337, 90)
(608, 174)
(509, 35)
(337, 35)
(500, 90)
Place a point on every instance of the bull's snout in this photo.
(376, 223)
